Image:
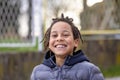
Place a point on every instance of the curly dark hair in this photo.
(75, 31)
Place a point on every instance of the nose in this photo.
(60, 38)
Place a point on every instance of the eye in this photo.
(53, 35)
(66, 34)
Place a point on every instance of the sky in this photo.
(92, 2)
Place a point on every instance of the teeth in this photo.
(60, 46)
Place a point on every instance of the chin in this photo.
(61, 54)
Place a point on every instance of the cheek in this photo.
(70, 40)
(70, 43)
(50, 43)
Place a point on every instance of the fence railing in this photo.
(16, 28)
(100, 34)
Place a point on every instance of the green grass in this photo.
(112, 71)
(19, 49)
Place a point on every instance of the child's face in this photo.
(61, 39)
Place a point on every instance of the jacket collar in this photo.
(77, 57)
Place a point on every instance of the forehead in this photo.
(61, 26)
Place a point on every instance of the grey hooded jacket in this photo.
(76, 67)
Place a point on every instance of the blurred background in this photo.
(24, 22)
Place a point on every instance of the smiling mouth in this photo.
(61, 46)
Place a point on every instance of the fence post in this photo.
(37, 21)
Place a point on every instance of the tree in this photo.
(56, 6)
(85, 4)
(103, 15)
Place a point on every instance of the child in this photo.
(62, 61)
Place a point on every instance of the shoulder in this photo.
(94, 71)
(38, 71)
(40, 67)
(89, 66)
(91, 70)
(86, 64)
(86, 67)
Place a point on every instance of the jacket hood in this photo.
(77, 57)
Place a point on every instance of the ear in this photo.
(76, 42)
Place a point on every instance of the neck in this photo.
(60, 60)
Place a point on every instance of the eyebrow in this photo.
(62, 31)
